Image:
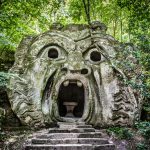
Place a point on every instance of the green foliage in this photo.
(2, 136)
(4, 79)
(142, 146)
(76, 10)
(120, 132)
(19, 18)
(6, 55)
(138, 27)
(129, 60)
(144, 129)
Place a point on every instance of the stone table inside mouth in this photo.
(70, 107)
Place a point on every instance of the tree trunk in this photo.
(121, 26)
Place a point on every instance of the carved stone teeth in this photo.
(79, 84)
(66, 83)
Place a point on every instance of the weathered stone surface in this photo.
(82, 60)
(71, 147)
(69, 141)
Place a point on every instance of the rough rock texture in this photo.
(74, 55)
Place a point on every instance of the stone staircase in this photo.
(70, 136)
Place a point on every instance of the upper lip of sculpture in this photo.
(68, 81)
(72, 78)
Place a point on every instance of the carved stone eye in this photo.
(95, 56)
(53, 53)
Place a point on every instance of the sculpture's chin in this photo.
(71, 99)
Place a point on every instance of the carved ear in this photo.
(21, 52)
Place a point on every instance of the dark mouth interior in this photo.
(71, 93)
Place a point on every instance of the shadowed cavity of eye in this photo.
(53, 53)
(95, 56)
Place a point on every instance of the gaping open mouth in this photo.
(71, 98)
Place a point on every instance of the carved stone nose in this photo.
(75, 64)
(83, 71)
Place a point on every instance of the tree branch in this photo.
(87, 10)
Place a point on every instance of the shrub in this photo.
(120, 132)
(143, 128)
(3, 79)
(141, 146)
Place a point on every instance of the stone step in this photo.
(60, 147)
(70, 125)
(70, 147)
(105, 147)
(71, 135)
(72, 130)
(84, 126)
(66, 126)
(90, 135)
(71, 141)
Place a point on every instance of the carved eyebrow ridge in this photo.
(48, 45)
(89, 48)
(86, 37)
(99, 48)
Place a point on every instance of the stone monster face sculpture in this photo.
(67, 75)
